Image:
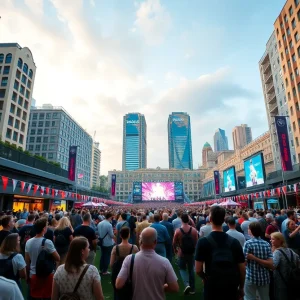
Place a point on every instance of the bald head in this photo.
(148, 237)
(165, 216)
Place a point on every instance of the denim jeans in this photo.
(105, 258)
(251, 290)
(188, 278)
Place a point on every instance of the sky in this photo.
(101, 59)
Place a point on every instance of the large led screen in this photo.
(229, 180)
(254, 170)
(158, 191)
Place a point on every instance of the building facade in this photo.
(241, 136)
(96, 165)
(220, 140)
(287, 33)
(206, 150)
(17, 73)
(275, 97)
(134, 142)
(191, 180)
(180, 141)
(52, 131)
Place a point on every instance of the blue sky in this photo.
(110, 57)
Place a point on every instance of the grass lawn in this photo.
(108, 290)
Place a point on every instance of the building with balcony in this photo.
(17, 74)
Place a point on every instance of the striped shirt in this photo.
(256, 273)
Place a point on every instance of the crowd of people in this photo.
(238, 254)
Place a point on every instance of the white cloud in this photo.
(153, 21)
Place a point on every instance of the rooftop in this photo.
(206, 145)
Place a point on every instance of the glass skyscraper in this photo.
(180, 141)
(220, 140)
(134, 142)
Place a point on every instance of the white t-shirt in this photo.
(9, 290)
(237, 235)
(205, 230)
(33, 247)
(18, 262)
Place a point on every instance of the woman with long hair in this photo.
(67, 275)
(12, 264)
(281, 265)
(62, 238)
(292, 236)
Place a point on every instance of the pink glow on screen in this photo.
(158, 191)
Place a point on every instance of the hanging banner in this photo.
(42, 189)
(15, 182)
(217, 182)
(35, 188)
(5, 182)
(113, 184)
(47, 191)
(72, 162)
(22, 186)
(29, 188)
(283, 139)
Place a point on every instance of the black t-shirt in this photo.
(66, 232)
(87, 232)
(204, 249)
(3, 235)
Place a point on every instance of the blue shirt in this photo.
(169, 227)
(105, 228)
(162, 233)
(255, 273)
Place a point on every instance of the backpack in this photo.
(116, 267)
(293, 279)
(27, 236)
(223, 268)
(187, 242)
(44, 263)
(7, 269)
(74, 295)
(61, 241)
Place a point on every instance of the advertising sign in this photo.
(217, 182)
(178, 186)
(158, 191)
(283, 139)
(72, 163)
(137, 191)
(254, 170)
(132, 124)
(229, 180)
(113, 184)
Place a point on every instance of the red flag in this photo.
(284, 189)
(35, 188)
(5, 182)
(22, 186)
(53, 193)
(47, 190)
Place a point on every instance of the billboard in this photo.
(178, 187)
(229, 180)
(137, 191)
(217, 182)
(254, 170)
(132, 124)
(72, 162)
(158, 191)
(113, 184)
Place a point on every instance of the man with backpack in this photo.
(184, 243)
(40, 256)
(224, 261)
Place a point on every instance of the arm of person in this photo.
(199, 268)
(267, 263)
(113, 256)
(27, 259)
(171, 285)
(124, 272)
(20, 263)
(111, 232)
(242, 271)
(22, 273)
(295, 232)
(176, 240)
(55, 291)
(97, 290)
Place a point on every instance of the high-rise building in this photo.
(241, 136)
(220, 140)
(275, 96)
(134, 142)
(52, 131)
(287, 33)
(180, 141)
(95, 167)
(17, 73)
(205, 154)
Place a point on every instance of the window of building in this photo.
(1, 58)
(24, 117)
(51, 147)
(284, 37)
(27, 94)
(296, 2)
(46, 131)
(20, 63)
(286, 50)
(292, 110)
(12, 108)
(4, 81)
(45, 139)
(19, 112)
(45, 147)
(8, 133)
(30, 148)
(294, 92)
(297, 106)
(44, 155)
(2, 93)
(294, 58)
(52, 139)
(33, 124)
(289, 63)
(39, 139)
(8, 58)
(10, 121)
(17, 124)
(48, 116)
(41, 116)
(292, 77)
(53, 131)
(291, 11)
(297, 72)
(30, 74)
(53, 123)
(29, 84)
(281, 55)
(291, 44)
(294, 23)
(294, 126)
(20, 101)
(34, 116)
(50, 155)
(285, 18)
(32, 131)
(288, 31)
(41, 124)
(6, 70)
(37, 147)
(40, 131)
(22, 89)
(277, 31)
(55, 116)
(15, 136)
(26, 104)
(47, 123)
(297, 142)
(25, 69)
(23, 79)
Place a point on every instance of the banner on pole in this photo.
(113, 184)
(217, 182)
(72, 163)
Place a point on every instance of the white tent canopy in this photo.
(229, 203)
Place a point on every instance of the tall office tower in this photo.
(180, 141)
(241, 136)
(205, 154)
(134, 142)
(52, 131)
(275, 96)
(220, 140)
(17, 73)
(95, 166)
(287, 33)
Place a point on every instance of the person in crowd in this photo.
(86, 231)
(251, 216)
(206, 229)
(152, 275)
(67, 275)
(272, 227)
(24, 214)
(245, 226)
(9, 289)
(12, 264)
(142, 225)
(120, 225)
(169, 226)
(106, 233)
(259, 261)
(281, 218)
(39, 287)
(281, 265)
(163, 238)
(177, 222)
(224, 261)
(263, 223)
(63, 235)
(26, 232)
(132, 225)
(119, 252)
(75, 219)
(290, 217)
(184, 243)
(233, 232)
(7, 223)
(53, 225)
(292, 236)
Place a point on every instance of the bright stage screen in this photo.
(254, 170)
(158, 191)
(229, 180)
